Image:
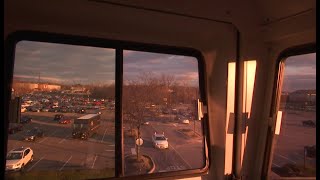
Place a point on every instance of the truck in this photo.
(85, 126)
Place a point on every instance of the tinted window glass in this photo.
(52, 79)
(159, 95)
(295, 150)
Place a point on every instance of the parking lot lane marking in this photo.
(299, 155)
(111, 145)
(65, 163)
(104, 134)
(180, 156)
(94, 161)
(43, 139)
(63, 139)
(109, 150)
(286, 158)
(35, 163)
(275, 164)
(48, 136)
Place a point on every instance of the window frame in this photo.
(119, 46)
(275, 101)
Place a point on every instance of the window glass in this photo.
(62, 102)
(295, 145)
(161, 132)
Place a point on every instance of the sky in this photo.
(69, 64)
(300, 73)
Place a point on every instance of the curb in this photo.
(153, 164)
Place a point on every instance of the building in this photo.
(25, 87)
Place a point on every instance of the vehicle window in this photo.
(12, 156)
(27, 151)
(55, 80)
(159, 92)
(160, 138)
(294, 153)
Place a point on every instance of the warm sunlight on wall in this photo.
(230, 112)
(249, 75)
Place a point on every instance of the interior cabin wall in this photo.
(216, 40)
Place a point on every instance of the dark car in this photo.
(65, 120)
(25, 119)
(310, 151)
(309, 123)
(64, 109)
(14, 127)
(33, 134)
(58, 117)
(81, 111)
(54, 109)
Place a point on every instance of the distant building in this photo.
(78, 89)
(21, 87)
(300, 96)
(49, 87)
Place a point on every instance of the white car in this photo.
(18, 158)
(160, 141)
(23, 109)
(185, 121)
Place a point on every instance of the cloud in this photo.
(64, 62)
(69, 63)
(300, 72)
(36, 78)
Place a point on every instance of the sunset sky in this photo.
(68, 64)
(300, 72)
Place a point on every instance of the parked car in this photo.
(14, 127)
(34, 134)
(160, 141)
(54, 109)
(57, 117)
(23, 109)
(310, 151)
(25, 119)
(309, 123)
(64, 109)
(35, 109)
(185, 121)
(18, 158)
(64, 120)
(45, 110)
(81, 111)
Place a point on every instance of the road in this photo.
(57, 151)
(184, 152)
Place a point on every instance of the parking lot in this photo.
(293, 138)
(58, 151)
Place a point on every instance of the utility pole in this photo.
(39, 81)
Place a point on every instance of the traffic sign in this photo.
(139, 142)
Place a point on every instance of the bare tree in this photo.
(146, 90)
